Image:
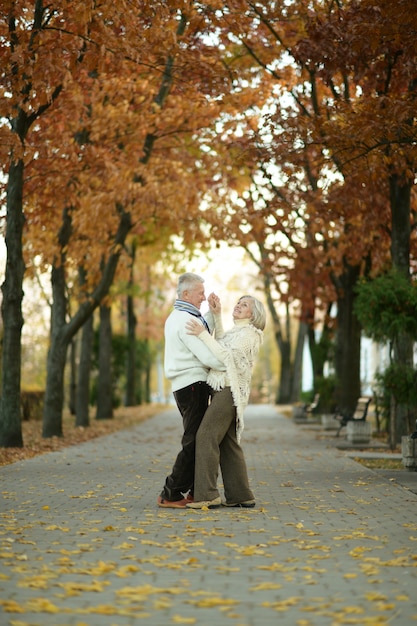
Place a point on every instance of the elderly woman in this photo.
(218, 436)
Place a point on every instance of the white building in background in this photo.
(374, 359)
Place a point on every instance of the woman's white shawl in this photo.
(237, 349)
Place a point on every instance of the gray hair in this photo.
(187, 282)
(258, 318)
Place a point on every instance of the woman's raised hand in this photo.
(214, 303)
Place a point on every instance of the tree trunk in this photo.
(54, 393)
(105, 380)
(131, 374)
(131, 354)
(62, 332)
(285, 379)
(73, 376)
(283, 395)
(10, 422)
(84, 368)
(298, 363)
(320, 351)
(348, 342)
(60, 340)
(400, 200)
(147, 381)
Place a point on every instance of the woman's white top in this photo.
(237, 349)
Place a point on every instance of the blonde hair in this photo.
(258, 318)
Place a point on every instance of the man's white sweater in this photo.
(187, 359)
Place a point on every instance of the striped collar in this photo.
(187, 307)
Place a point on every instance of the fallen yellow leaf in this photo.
(282, 605)
(214, 601)
(374, 596)
(11, 606)
(71, 587)
(266, 586)
(42, 605)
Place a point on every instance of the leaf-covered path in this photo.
(83, 543)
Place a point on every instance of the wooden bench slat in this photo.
(359, 414)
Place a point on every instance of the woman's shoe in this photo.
(205, 504)
(247, 504)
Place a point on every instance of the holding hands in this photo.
(214, 303)
(193, 327)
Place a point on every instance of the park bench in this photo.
(311, 408)
(359, 414)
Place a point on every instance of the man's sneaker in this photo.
(247, 504)
(172, 504)
(205, 504)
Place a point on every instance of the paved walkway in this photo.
(84, 544)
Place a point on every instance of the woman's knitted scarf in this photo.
(242, 343)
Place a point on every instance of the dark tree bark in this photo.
(348, 341)
(10, 421)
(131, 354)
(283, 342)
(73, 376)
(105, 378)
(130, 399)
(63, 331)
(57, 354)
(285, 378)
(54, 393)
(400, 201)
(147, 376)
(84, 369)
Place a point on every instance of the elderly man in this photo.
(187, 362)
